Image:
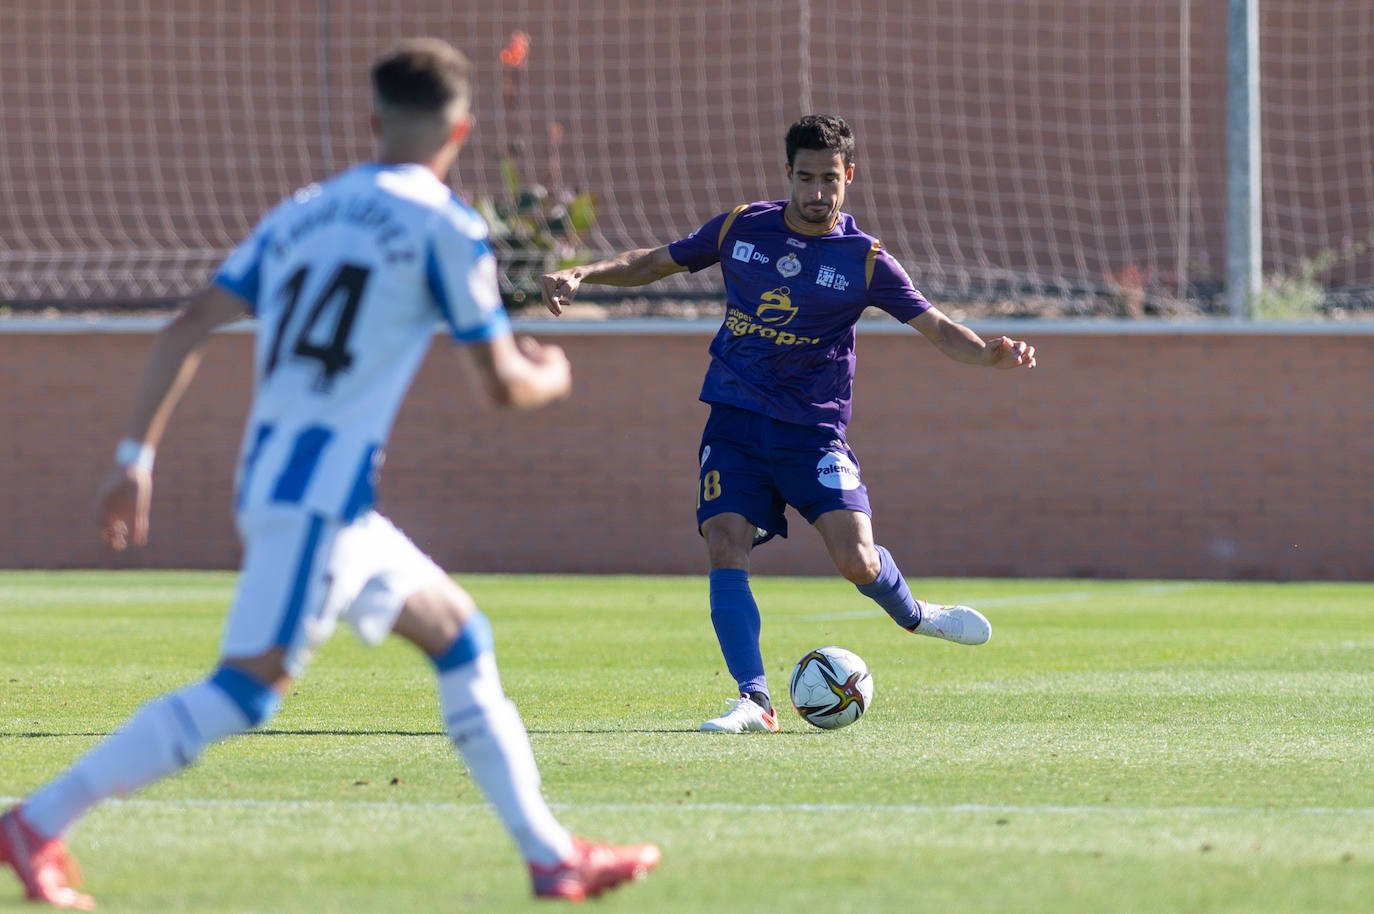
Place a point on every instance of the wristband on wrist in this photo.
(131, 453)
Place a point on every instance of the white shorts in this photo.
(302, 573)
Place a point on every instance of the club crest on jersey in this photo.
(745, 252)
(831, 279)
(789, 266)
(837, 471)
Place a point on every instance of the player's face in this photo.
(818, 178)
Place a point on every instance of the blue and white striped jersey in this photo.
(349, 281)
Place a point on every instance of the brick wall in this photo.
(1168, 453)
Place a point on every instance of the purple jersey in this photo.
(786, 349)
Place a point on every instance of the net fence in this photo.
(1030, 150)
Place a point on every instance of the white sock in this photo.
(488, 732)
(162, 737)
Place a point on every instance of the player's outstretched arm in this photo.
(630, 268)
(124, 497)
(963, 345)
(520, 373)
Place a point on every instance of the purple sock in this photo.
(735, 616)
(889, 591)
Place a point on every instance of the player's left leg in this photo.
(443, 622)
(848, 536)
(486, 729)
(384, 583)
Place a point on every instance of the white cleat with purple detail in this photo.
(960, 624)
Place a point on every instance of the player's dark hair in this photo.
(821, 131)
(423, 75)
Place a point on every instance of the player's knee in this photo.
(858, 566)
(258, 702)
(728, 546)
(474, 639)
(727, 555)
(432, 618)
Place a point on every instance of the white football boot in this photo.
(745, 715)
(960, 624)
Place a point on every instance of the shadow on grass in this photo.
(425, 733)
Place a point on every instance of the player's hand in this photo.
(122, 507)
(539, 353)
(558, 288)
(1010, 353)
(552, 362)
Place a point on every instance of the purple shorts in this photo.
(755, 466)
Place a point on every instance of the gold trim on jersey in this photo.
(801, 228)
(729, 221)
(872, 262)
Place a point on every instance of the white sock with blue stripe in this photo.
(487, 731)
(162, 737)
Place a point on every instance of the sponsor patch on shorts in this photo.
(836, 471)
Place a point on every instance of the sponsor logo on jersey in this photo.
(831, 278)
(741, 323)
(776, 306)
(705, 454)
(797, 243)
(837, 471)
(745, 252)
(789, 266)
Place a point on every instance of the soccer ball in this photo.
(831, 687)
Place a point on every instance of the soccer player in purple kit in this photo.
(798, 274)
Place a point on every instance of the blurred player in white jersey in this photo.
(349, 281)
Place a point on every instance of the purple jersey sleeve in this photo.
(700, 249)
(892, 291)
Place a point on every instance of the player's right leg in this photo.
(163, 737)
(735, 618)
(738, 507)
(45, 868)
(278, 583)
(483, 724)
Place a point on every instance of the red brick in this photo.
(1139, 455)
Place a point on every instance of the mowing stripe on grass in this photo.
(975, 808)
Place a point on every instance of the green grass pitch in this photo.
(1117, 747)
